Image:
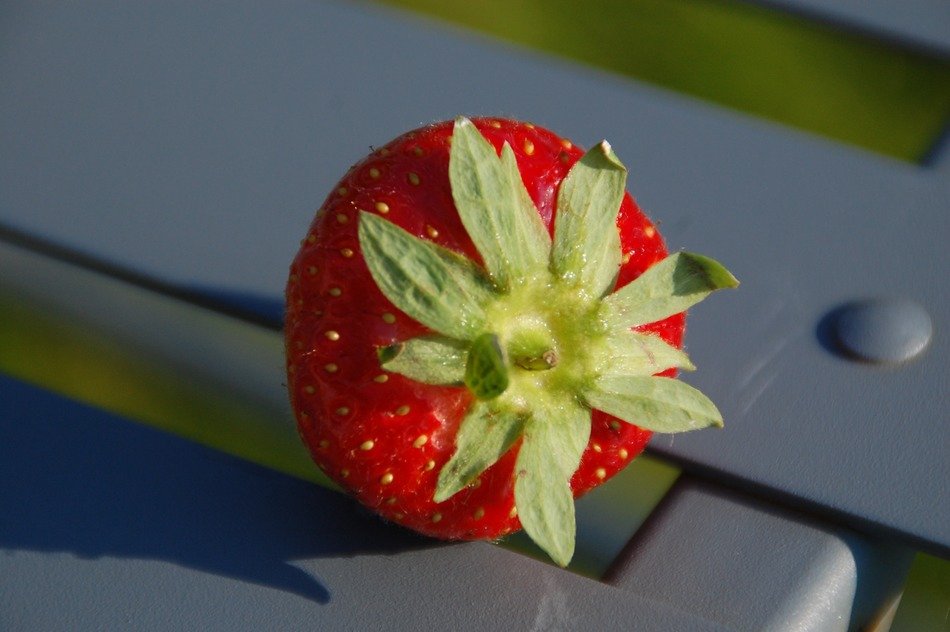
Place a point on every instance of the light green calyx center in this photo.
(545, 329)
(536, 335)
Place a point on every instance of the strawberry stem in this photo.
(543, 362)
(533, 348)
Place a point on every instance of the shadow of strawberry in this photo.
(79, 480)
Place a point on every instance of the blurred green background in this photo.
(776, 65)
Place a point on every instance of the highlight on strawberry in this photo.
(482, 326)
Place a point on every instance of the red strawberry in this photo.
(455, 342)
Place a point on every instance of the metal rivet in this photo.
(882, 330)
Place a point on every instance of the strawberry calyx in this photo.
(536, 332)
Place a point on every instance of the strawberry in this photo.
(481, 326)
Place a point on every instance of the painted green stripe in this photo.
(786, 68)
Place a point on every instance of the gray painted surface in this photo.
(751, 566)
(193, 142)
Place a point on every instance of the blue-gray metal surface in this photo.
(752, 566)
(192, 142)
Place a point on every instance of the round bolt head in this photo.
(883, 330)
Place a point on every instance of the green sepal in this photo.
(554, 439)
(437, 287)
(659, 404)
(542, 301)
(484, 435)
(495, 208)
(586, 248)
(427, 359)
(486, 373)
(630, 353)
(666, 288)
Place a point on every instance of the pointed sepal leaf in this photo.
(666, 288)
(586, 248)
(495, 208)
(554, 440)
(427, 359)
(629, 353)
(484, 435)
(486, 373)
(439, 288)
(659, 404)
